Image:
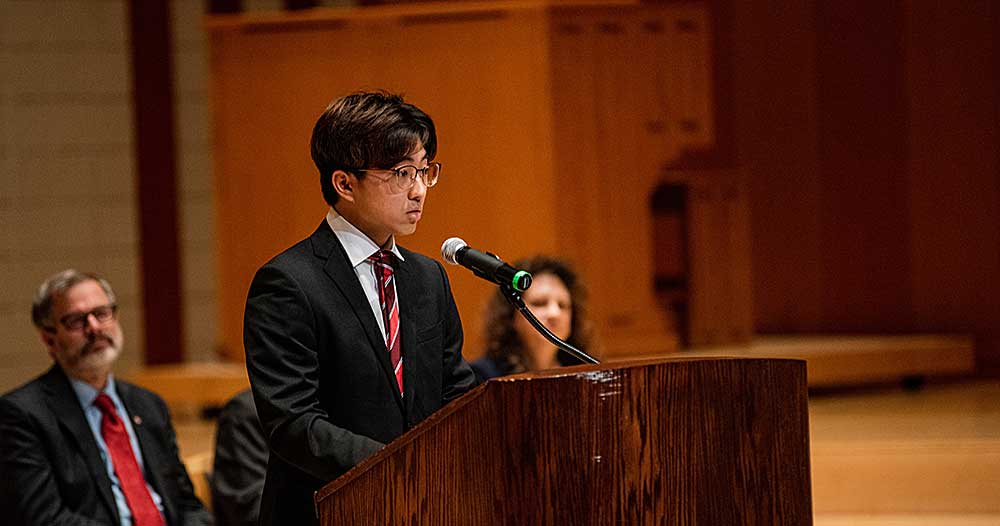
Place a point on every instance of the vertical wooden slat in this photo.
(294, 5)
(863, 139)
(156, 178)
(218, 7)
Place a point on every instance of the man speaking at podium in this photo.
(350, 338)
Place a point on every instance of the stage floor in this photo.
(892, 457)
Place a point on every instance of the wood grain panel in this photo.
(668, 443)
(620, 114)
(775, 113)
(156, 181)
(953, 69)
(543, 132)
(863, 139)
(274, 81)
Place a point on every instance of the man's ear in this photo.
(343, 184)
(47, 338)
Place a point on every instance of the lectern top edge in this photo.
(629, 364)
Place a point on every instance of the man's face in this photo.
(92, 348)
(382, 210)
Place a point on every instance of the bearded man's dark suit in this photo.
(321, 375)
(51, 469)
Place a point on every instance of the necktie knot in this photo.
(384, 258)
(106, 406)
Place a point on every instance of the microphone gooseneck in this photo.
(512, 283)
(514, 298)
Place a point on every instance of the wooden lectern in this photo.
(678, 442)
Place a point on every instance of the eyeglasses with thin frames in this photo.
(78, 320)
(404, 176)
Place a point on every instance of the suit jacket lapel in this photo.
(405, 293)
(63, 402)
(151, 456)
(338, 267)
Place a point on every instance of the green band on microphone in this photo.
(521, 281)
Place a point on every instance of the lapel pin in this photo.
(137, 420)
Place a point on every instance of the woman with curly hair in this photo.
(558, 300)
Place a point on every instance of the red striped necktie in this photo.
(133, 484)
(386, 285)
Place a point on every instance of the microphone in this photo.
(485, 265)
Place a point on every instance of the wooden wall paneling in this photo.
(683, 79)
(630, 156)
(685, 74)
(652, 56)
(156, 171)
(265, 184)
(584, 183)
(953, 73)
(869, 135)
(741, 315)
(656, 73)
(719, 291)
(678, 49)
(513, 182)
(863, 134)
(274, 79)
(493, 110)
(575, 144)
(709, 268)
(775, 118)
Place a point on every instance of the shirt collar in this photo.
(355, 242)
(86, 393)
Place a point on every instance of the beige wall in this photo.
(194, 176)
(67, 164)
(67, 192)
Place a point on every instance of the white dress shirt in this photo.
(359, 246)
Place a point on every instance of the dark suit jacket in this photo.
(240, 463)
(51, 466)
(322, 382)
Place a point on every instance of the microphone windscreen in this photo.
(450, 248)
